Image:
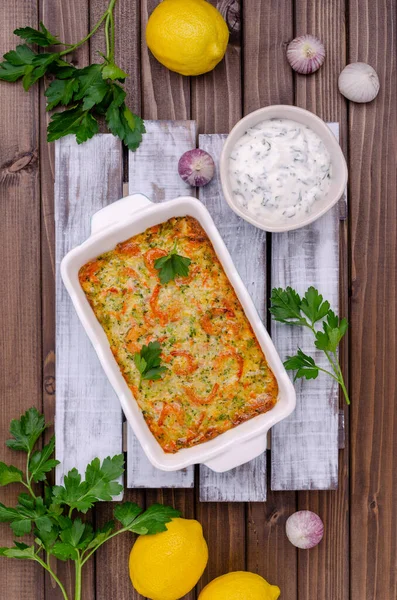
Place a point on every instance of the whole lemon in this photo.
(240, 585)
(187, 36)
(167, 565)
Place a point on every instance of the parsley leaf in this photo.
(112, 71)
(40, 462)
(19, 551)
(26, 430)
(148, 361)
(60, 91)
(9, 474)
(92, 87)
(313, 306)
(99, 484)
(41, 37)
(150, 521)
(122, 122)
(153, 520)
(334, 330)
(288, 307)
(75, 120)
(27, 511)
(303, 364)
(172, 265)
(127, 512)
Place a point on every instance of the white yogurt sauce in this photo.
(278, 169)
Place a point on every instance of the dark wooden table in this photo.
(358, 558)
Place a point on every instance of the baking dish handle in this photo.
(118, 211)
(239, 454)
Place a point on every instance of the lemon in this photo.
(167, 565)
(240, 585)
(187, 36)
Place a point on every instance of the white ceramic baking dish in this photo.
(118, 222)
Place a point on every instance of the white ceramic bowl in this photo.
(339, 168)
(118, 222)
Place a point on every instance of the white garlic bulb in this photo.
(359, 82)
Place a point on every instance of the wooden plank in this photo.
(320, 94)
(269, 551)
(88, 413)
(247, 246)
(166, 95)
(111, 582)
(268, 79)
(20, 332)
(216, 96)
(217, 106)
(372, 34)
(223, 523)
(305, 446)
(111, 560)
(225, 532)
(153, 170)
(70, 21)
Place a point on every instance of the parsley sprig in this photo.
(87, 93)
(288, 307)
(148, 362)
(57, 531)
(172, 265)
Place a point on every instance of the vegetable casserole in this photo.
(214, 374)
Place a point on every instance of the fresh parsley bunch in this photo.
(88, 93)
(51, 517)
(288, 307)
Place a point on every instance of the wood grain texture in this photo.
(166, 95)
(225, 532)
(153, 171)
(216, 96)
(269, 552)
(88, 413)
(247, 246)
(20, 325)
(268, 78)
(320, 95)
(373, 202)
(112, 581)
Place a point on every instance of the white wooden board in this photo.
(247, 246)
(88, 421)
(153, 170)
(305, 446)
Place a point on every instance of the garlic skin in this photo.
(196, 167)
(359, 82)
(306, 54)
(304, 529)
